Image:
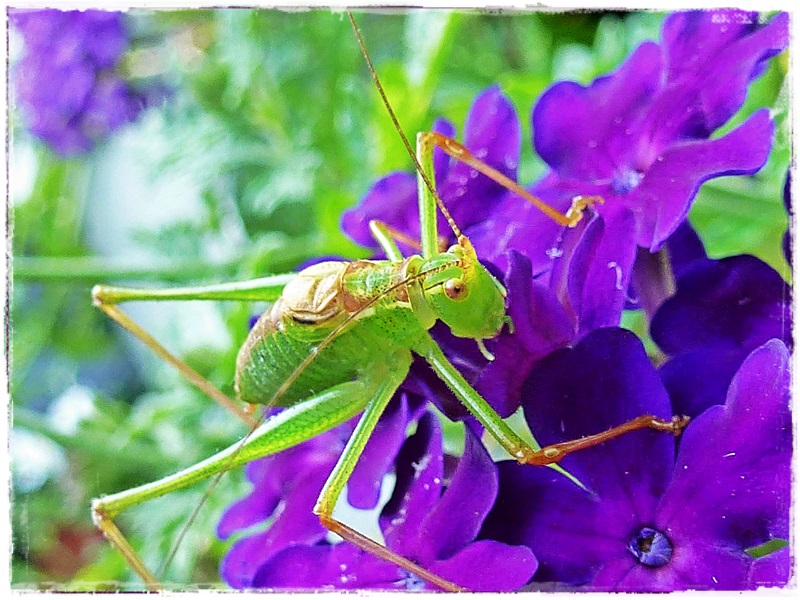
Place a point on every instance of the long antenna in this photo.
(399, 129)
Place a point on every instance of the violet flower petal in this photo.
(739, 300)
(455, 520)
(666, 191)
(327, 567)
(716, 54)
(489, 566)
(419, 472)
(391, 199)
(364, 485)
(540, 326)
(773, 570)
(579, 131)
(734, 460)
(600, 270)
(603, 381)
(492, 134)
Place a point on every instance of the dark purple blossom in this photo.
(722, 310)
(66, 83)
(433, 526)
(649, 520)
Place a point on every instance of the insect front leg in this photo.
(427, 140)
(509, 440)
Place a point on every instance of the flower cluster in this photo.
(637, 513)
(66, 82)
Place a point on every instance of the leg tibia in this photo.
(459, 152)
(555, 452)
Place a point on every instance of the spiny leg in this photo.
(508, 439)
(569, 219)
(106, 298)
(344, 468)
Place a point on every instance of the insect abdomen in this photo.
(304, 316)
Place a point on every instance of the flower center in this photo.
(625, 181)
(650, 547)
(412, 583)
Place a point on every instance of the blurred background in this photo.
(167, 148)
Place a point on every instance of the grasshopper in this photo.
(337, 343)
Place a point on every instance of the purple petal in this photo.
(667, 189)
(296, 523)
(364, 485)
(417, 489)
(489, 566)
(702, 566)
(515, 224)
(341, 566)
(714, 55)
(738, 301)
(685, 248)
(733, 472)
(393, 200)
(570, 531)
(457, 517)
(585, 132)
(540, 326)
(492, 134)
(602, 382)
(773, 570)
(108, 39)
(600, 270)
(698, 379)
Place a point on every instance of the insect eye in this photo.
(456, 289)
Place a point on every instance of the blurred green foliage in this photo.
(272, 127)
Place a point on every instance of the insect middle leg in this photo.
(509, 440)
(346, 464)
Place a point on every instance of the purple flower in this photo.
(66, 83)
(722, 310)
(433, 526)
(639, 138)
(648, 520)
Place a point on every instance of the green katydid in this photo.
(349, 329)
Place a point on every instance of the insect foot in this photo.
(579, 204)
